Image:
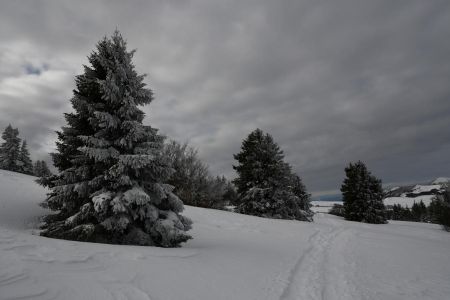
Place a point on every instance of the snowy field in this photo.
(232, 256)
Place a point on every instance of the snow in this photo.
(232, 256)
(407, 201)
(18, 196)
(425, 188)
(441, 180)
(394, 188)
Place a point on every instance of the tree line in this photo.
(438, 211)
(14, 155)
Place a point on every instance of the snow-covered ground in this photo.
(232, 256)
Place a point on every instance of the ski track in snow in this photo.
(309, 278)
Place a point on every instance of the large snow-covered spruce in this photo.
(265, 183)
(362, 195)
(110, 187)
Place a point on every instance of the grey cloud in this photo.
(332, 81)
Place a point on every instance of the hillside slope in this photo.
(232, 256)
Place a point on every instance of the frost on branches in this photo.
(265, 183)
(110, 187)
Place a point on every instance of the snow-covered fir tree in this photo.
(10, 149)
(362, 195)
(264, 183)
(111, 185)
(41, 169)
(25, 163)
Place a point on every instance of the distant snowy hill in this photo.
(407, 195)
(232, 256)
(441, 180)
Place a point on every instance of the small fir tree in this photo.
(111, 182)
(265, 182)
(25, 163)
(362, 195)
(10, 150)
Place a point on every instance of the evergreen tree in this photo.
(440, 209)
(435, 208)
(37, 169)
(230, 196)
(25, 163)
(396, 212)
(112, 172)
(362, 195)
(45, 171)
(41, 169)
(265, 182)
(10, 149)
(260, 163)
(419, 211)
(299, 189)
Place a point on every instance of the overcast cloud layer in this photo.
(332, 81)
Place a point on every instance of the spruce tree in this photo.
(299, 189)
(25, 163)
(264, 182)
(41, 169)
(362, 195)
(10, 149)
(260, 163)
(37, 169)
(110, 187)
(45, 171)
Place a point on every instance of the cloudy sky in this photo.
(332, 81)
